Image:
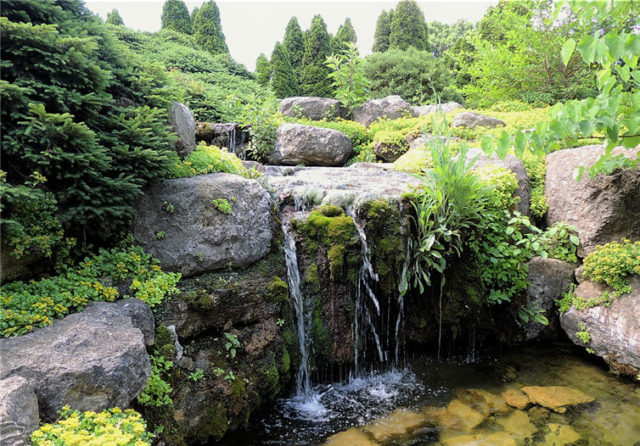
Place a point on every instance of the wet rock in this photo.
(447, 107)
(350, 437)
(518, 425)
(473, 120)
(182, 122)
(484, 402)
(93, 360)
(604, 208)
(231, 136)
(560, 435)
(312, 108)
(311, 146)
(399, 423)
(391, 107)
(548, 280)
(196, 235)
(480, 439)
(461, 417)
(614, 330)
(516, 398)
(556, 398)
(18, 411)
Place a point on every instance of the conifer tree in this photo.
(194, 12)
(383, 30)
(294, 44)
(207, 29)
(346, 34)
(113, 18)
(314, 80)
(408, 27)
(263, 70)
(175, 16)
(283, 79)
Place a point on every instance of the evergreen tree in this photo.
(175, 16)
(383, 30)
(194, 12)
(294, 44)
(207, 29)
(113, 18)
(346, 34)
(283, 80)
(263, 70)
(314, 80)
(408, 27)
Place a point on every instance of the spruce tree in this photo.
(294, 44)
(263, 70)
(175, 16)
(346, 34)
(408, 27)
(314, 80)
(207, 29)
(283, 80)
(383, 30)
(113, 18)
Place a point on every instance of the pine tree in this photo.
(194, 12)
(383, 30)
(314, 80)
(294, 44)
(283, 80)
(207, 29)
(408, 27)
(175, 16)
(113, 18)
(346, 34)
(263, 70)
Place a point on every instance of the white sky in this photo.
(252, 27)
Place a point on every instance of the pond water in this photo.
(406, 406)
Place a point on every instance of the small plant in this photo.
(200, 257)
(222, 205)
(196, 376)
(232, 344)
(583, 334)
(280, 322)
(168, 207)
(160, 235)
(218, 372)
(230, 377)
(157, 392)
(533, 313)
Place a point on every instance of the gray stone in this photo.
(184, 125)
(92, 360)
(312, 108)
(473, 120)
(603, 209)
(196, 236)
(311, 146)
(447, 107)
(230, 136)
(391, 107)
(614, 330)
(18, 411)
(548, 280)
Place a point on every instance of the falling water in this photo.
(403, 287)
(232, 139)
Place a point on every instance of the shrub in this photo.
(208, 159)
(613, 263)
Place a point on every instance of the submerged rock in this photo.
(399, 423)
(459, 416)
(391, 107)
(183, 124)
(18, 411)
(480, 439)
(516, 398)
(473, 120)
(311, 146)
(560, 435)
(485, 402)
(350, 437)
(556, 398)
(518, 425)
(312, 108)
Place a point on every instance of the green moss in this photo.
(311, 277)
(238, 389)
(320, 336)
(330, 210)
(278, 290)
(285, 363)
(336, 262)
(198, 299)
(164, 345)
(215, 422)
(269, 377)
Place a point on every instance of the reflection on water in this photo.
(430, 403)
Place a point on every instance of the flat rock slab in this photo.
(483, 401)
(310, 146)
(556, 398)
(399, 423)
(560, 435)
(518, 425)
(460, 416)
(516, 398)
(18, 411)
(350, 437)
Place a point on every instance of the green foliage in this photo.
(284, 82)
(113, 18)
(383, 30)
(613, 264)
(196, 376)
(157, 392)
(223, 205)
(207, 29)
(25, 306)
(175, 16)
(408, 28)
(262, 118)
(345, 36)
(294, 44)
(349, 81)
(532, 314)
(232, 345)
(314, 79)
(76, 428)
(263, 70)
(208, 159)
(441, 36)
(583, 334)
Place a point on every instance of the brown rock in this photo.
(556, 398)
(516, 398)
(561, 435)
(350, 437)
(461, 417)
(484, 402)
(518, 425)
(480, 439)
(400, 422)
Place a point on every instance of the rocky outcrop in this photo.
(603, 209)
(310, 146)
(92, 360)
(614, 330)
(447, 107)
(391, 107)
(231, 136)
(473, 120)
(18, 411)
(204, 223)
(312, 108)
(183, 124)
(548, 280)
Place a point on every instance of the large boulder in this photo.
(312, 108)
(391, 107)
(473, 120)
(92, 360)
(614, 330)
(447, 107)
(311, 146)
(603, 209)
(187, 224)
(548, 280)
(183, 124)
(18, 411)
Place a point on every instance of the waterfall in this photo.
(403, 287)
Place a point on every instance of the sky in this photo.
(252, 27)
